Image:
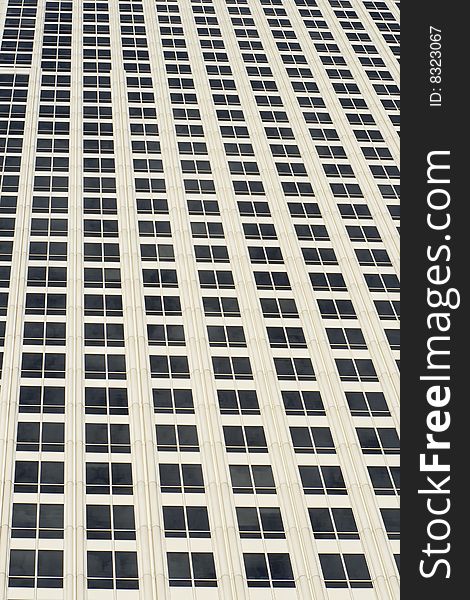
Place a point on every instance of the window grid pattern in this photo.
(211, 313)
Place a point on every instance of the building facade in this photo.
(199, 299)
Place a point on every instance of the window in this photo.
(273, 116)
(216, 280)
(105, 478)
(260, 522)
(318, 133)
(4, 303)
(331, 152)
(218, 307)
(239, 149)
(312, 232)
(98, 146)
(253, 209)
(162, 305)
(351, 338)
(250, 438)
(189, 130)
(43, 365)
(36, 568)
(51, 334)
(225, 336)
(193, 148)
(110, 366)
(266, 280)
(236, 367)
(100, 228)
(178, 478)
(191, 569)
(6, 249)
(319, 256)
(216, 254)
(295, 188)
(393, 337)
(333, 523)
(103, 401)
(282, 307)
(286, 337)
(154, 186)
(385, 480)
(268, 570)
(145, 147)
(45, 304)
(5, 276)
(322, 480)
(49, 475)
(248, 187)
(252, 479)
(346, 190)
(380, 440)
(387, 310)
(200, 229)
(303, 403)
(345, 570)
(391, 519)
(182, 438)
(312, 439)
(47, 276)
(173, 401)
(263, 231)
(98, 305)
(299, 369)
(358, 369)
(47, 399)
(155, 206)
(394, 210)
(104, 437)
(99, 205)
(336, 309)
(236, 402)
(44, 436)
(166, 366)
(354, 211)
(367, 404)
(99, 334)
(97, 277)
(285, 150)
(338, 170)
(56, 251)
(186, 521)
(165, 278)
(44, 183)
(243, 168)
(382, 282)
(104, 522)
(375, 257)
(165, 335)
(203, 207)
(151, 165)
(161, 252)
(112, 570)
(265, 255)
(33, 520)
(328, 282)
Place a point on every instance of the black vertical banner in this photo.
(435, 325)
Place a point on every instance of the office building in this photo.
(199, 299)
